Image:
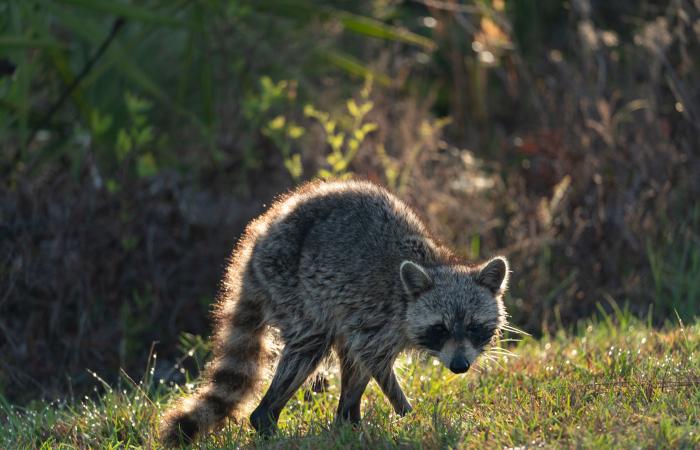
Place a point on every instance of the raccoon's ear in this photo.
(414, 278)
(493, 275)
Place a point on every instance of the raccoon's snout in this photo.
(459, 364)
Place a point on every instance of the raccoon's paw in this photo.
(319, 385)
(404, 409)
(263, 421)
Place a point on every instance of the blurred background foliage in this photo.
(139, 137)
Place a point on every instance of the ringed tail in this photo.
(230, 380)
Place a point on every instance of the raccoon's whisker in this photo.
(510, 340)
(478, 365)
(512, 330)
(494, 360)
(488, 357)
(502, 355)
(515, 330)
(484, 360)
(498, 363)
(502, 351)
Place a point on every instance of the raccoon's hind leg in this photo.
(300, 358)
(353, 382)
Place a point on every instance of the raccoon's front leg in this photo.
(299, 359)
(385, 377)
(353, 382)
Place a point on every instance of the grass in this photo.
(613, 383)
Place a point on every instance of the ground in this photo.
(609, 383)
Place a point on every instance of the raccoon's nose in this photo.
(459, 364)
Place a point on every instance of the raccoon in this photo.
(342, 267)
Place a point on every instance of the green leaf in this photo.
(332, 158)
(120, 59)
(294, 166)
(143, 136)
(129, 242)
(325, 174)
(100, 124)
(374, 28)
(295, 131)
(336, 141)
(146, 165)
(142, 80)
(366, 107)
(62, 64)
(329, 126)
(310, 111)
(340, 166)
(369, 127)
(136, 104)
(127, 11)
(362, 132)
(22, 42)
(304, 10)
(353, 109)
(299, 10)
(475, 246)
(112, 186)
(124, 145)
(353, 66)
(277, 123)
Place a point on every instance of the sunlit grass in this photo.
(615, 383)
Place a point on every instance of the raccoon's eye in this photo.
(434, 337)
(439, 330)
(479, 336)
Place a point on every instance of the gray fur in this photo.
(344, 267)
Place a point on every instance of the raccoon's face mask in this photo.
(454, 311)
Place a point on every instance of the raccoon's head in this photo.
(454, 311)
